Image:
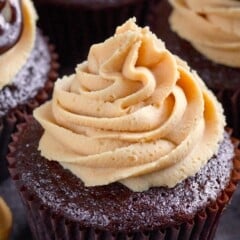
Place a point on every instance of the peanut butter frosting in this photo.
(132, 113)
(12, 60)
(5, 220)
(211, 26)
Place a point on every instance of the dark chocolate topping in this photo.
(10, 26)
(2, 4)
(114, 207)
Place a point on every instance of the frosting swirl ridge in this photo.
(133, 113)
(211, 26)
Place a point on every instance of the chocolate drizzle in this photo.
(11, 21)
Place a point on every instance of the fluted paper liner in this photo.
(45, 224)
(16, 115)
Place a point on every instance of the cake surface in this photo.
(114, 207)
(29, 80)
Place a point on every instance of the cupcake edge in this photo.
(46, 224)
(16, 115)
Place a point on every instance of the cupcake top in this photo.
(17, 36)
(133, 113)
(211, 26)
(5, 220)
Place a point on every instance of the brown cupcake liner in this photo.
(17, 115)
(47, 224)
(82, 26)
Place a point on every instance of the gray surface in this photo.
(20, 227)
(229, 227)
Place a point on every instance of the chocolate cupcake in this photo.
(131, 146)
(74, 25)
(207, 37)
(28, 68)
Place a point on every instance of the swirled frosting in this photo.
(11, 61)
(10, 23)
(211, 26)
(133, 113)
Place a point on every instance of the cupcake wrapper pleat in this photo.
(47, 224)
(6, 128)
(17, 115)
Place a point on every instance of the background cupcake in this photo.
(74, 25)
(28, 68)
(207, 36)
(132, 145)
(5, 220)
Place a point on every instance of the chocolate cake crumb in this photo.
(114, 207)
(30, 78)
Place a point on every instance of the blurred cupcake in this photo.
(28, 68)
(74, 25)
(131, 146)
(207, 35)
(5, 220)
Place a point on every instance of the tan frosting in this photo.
(5, 220)
(13, 60)
(133, 113)
(212, 27)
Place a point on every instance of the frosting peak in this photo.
(133, 113)
(212, 27)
